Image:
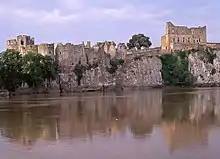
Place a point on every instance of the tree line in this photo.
(33, 69)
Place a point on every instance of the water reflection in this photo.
(183, 117)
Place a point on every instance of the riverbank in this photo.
(106, 89)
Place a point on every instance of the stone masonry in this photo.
(184, 38)
(25, 44)
(140, 68)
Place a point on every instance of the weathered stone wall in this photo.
(12, 44)
(32, 48)
(25, 44)
(46, 49)
(182, 36)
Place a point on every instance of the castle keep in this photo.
(24, 44)
(184, 38)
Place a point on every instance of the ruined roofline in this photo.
(170, 24)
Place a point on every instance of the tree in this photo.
(38, 69)
(32, 69)
(138, 41)
(79, 70)
(10, 70)
(50, 69)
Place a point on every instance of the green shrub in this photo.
(207, 56)
(114, 65)
(175, 69)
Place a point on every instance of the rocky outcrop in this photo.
(142, 71)
(205, 73)
(99, 67)
(135, 70)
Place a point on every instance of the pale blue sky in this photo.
(99, 20)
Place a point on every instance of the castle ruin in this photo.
(184, 38)
(175, 38)
(25, 44)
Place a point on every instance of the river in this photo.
(151, 124)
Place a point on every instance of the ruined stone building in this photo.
(25, 43)
(184, 38)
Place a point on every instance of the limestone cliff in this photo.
(142, 71)
(205, 73)
(137, 70)
(98, 67)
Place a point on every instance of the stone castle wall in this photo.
(25, 44)
(46, 49)
(179, 37)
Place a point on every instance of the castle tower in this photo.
(182, 37)
(22, 42)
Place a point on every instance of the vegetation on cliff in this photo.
(207, 56)
(175, 69)
(139, 40)
(33, 69)
(114, 63)
(80, 69)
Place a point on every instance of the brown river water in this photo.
(150, 124)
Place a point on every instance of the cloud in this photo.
(76, 10)
(54, 16)
(127, 12)
(45, 17)
(72, 4)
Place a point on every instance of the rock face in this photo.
(205, 74)
(142, 71)
(137, 70)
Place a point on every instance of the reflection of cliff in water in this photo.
(108, 115)
(83, 117)
(27, 125)
(205, 104)
(183, 116)
(186, 117)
